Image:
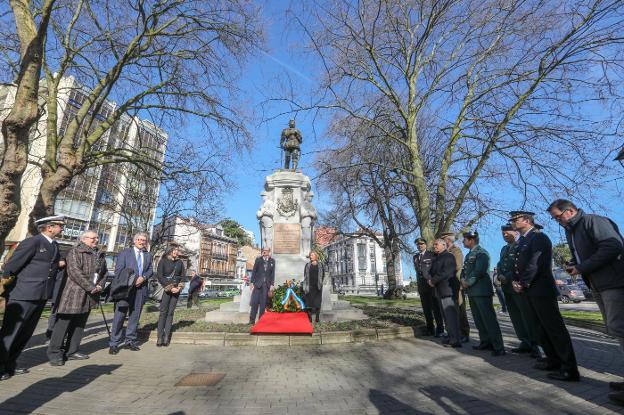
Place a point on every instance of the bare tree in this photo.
(31, 29)
(170, 61)
(479, 95)
(364, 192)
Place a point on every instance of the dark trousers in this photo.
(552, 333)
(51, 321)
(501, 299)
(69, 327)
(449, 307)
(193, 298)
(132, 308)
(464, 326)
(259, 297)
(520, 313)
(431, 308)
(18, 325)
(165, 319)
(316, 312)
(485, 320)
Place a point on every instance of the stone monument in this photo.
(286, 218)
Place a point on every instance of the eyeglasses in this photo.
(558, 217)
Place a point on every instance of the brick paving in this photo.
(402, 376)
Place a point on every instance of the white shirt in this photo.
(524, 234)
(48, 238)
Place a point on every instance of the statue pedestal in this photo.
(286, 222)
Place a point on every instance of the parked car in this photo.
(570, 292)
(587, 292)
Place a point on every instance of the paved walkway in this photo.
(411, 376)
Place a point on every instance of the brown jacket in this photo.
(82, 264)
(459, 259)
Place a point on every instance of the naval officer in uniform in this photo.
(28, 279)
(533, 276)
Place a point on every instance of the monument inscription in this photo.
(287, 238)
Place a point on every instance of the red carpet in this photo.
(283, 323)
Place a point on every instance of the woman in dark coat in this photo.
(84, 279)
(313, 277)
(169, 275)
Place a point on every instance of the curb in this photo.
(245, 339)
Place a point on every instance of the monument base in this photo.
(332, 310)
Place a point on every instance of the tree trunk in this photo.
(51, 186)
(393, 254)
(24, 114)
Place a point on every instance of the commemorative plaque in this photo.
(287, 238)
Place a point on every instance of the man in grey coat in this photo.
(598, 255)
(262, 280)
(84, 278)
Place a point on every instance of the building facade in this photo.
(357, 265)
(213, 255)
(117, 200)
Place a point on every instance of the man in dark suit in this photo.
(262, 280)
(139, 260)
(533, 275)
(28, 279)
(430, 303)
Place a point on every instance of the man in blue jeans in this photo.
(139, 260)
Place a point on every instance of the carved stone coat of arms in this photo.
(286, 204)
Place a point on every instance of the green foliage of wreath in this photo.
(278, 295)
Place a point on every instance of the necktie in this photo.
(140, 262)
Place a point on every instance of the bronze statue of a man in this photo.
(290, 142)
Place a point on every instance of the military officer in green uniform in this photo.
(478, 285)
(517, 303)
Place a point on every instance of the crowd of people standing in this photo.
(525, 275)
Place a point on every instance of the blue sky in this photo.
(283, 63)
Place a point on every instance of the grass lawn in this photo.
(192, 320)
(589, 316)
(379, 301)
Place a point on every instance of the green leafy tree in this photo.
(233, 229)
(561, 254)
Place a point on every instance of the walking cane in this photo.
(104, 318)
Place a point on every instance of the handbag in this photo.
(172, 280)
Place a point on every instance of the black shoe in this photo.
(445, 341)
(133, 347)
(464, 339)
(541, 359)
(57, 363)
(546, 366)
(113, 350)
(453, 345)
(520, 350)
(5, 376)
(565, 376)
(252, 322)
(159, 343)
(78, 356)
(616, 386)
(497, 353)
(535, 354)
(617, 397)
(20, 371)
(439, 333)
(483, 346)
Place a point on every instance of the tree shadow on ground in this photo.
(37, 355)
(43, 391)
(387, 404)
(453, 401)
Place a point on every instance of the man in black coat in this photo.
(598, 255)
(533, 275)
(262, 280)
(443, 278)
(29, 277)
(430, 303)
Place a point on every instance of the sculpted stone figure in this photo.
(265, 215)
(308, 218)
(290, 142)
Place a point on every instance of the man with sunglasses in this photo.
(598, 256)
(533, 276)
(29, 277)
